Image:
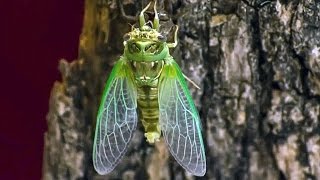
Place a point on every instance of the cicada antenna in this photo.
(142, 21)
(156, 20)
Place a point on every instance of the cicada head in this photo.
(146, 43)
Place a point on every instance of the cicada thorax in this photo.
(146, 51)
(146, 73)
(146, 68)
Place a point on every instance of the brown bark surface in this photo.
(257, 64)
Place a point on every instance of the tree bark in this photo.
(257, 64)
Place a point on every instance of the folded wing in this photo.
(116, 120)
(180, 122)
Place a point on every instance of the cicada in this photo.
(147, 84)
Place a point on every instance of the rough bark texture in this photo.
(258, 66)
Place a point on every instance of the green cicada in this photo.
(147, 83)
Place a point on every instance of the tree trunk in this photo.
(257, 64)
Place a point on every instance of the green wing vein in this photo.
(180, 122)
(116, 121)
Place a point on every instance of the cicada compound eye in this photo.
(162, 38)
(126, 37)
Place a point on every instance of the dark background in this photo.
(34, 36)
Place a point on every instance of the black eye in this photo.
(162, 38)
(151, 48)
(134, 48)
(126, 37)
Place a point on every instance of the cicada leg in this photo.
(175, 43)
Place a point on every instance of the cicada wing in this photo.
(116, 120)
(180, 122)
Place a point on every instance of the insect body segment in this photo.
(147, 84)
(148, 109)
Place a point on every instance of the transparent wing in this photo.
(180, 122)
(116, 121)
